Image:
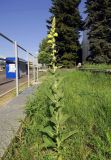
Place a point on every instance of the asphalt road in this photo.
(6, 85)
(2, 77)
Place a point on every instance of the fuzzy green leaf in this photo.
(65, 136)
(60, 157)
(53, 119)
(49, 131)
(48, 142)
(63, 118)
(51, 109)
(51, 97)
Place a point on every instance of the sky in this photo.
(25, 22)
(82, 9)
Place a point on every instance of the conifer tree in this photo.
(68, 26)
(99, 25)
(44, 52)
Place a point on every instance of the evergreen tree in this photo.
(99, 25)
(44, 52)
(68, 26)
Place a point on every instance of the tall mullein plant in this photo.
(54, 133)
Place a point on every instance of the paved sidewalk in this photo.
(10, 117)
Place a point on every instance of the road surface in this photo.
(6, 85)
(2, 76)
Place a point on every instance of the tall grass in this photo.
(87, 102)
(97, 66)
(87, 99)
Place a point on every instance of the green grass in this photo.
(87, 100)
(97, 66)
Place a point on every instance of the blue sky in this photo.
(82, 9)
(25, 22)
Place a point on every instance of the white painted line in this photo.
(11, 90)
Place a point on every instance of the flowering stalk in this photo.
(53, 132)
(52, 42)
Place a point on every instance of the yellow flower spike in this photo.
(60, 158)
(54, 51)
(49, 36)
(56, 35)
(50, 41)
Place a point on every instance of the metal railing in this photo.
(35, 62)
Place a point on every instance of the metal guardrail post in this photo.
(16, 65)
(37, 70)
(34, 68)
(28, 70)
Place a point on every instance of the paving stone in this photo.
(11, 115)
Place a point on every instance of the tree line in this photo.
(70, 23)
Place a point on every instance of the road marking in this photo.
(11, 90)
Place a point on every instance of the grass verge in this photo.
(88, 104)
(97, 66)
